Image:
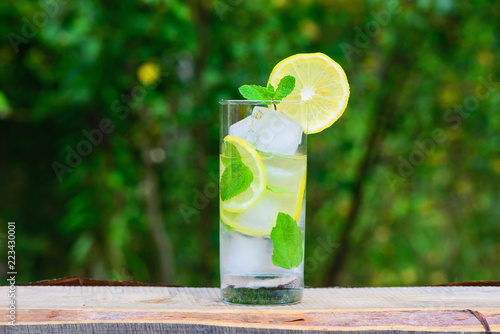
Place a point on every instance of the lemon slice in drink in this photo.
(300, 198)
(320, 83)
(285, 195)
(251, 159)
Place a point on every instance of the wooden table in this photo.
(118, 309)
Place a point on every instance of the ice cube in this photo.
(242, 254)
(272, 131)
(241, 128)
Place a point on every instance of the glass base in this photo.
(262, 289)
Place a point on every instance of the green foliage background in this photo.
(373, 217)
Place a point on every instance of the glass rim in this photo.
(251, 102)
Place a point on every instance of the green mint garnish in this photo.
(225, 160)
(230, 153)
(271, 90)
(237, 177)
(254, 92)
(278, 190)
(229, 228)
(287, 242)
(285, 87)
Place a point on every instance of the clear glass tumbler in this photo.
(263, 160)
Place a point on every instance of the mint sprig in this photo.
(237, 176)
(255, 92)
(285, 87)
(287, 242)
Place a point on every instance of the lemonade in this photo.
(263, 170)
(248, 272)
(246, 254)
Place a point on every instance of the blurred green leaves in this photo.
(4, 106)
(157, 70)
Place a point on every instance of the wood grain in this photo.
(117, 309)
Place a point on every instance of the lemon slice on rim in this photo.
(320, 84)
(251, 159)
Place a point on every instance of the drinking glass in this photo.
(267, 141)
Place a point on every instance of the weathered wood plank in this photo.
(199, 310)
(188, 298)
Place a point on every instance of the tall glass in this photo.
(267, 141)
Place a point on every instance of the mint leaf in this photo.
(271, 90)
(231, 151)
(278, 190)
(285, 87)
(237, 177)
(229, 228)
(287, 242)
(254, 92)
(225, 160)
